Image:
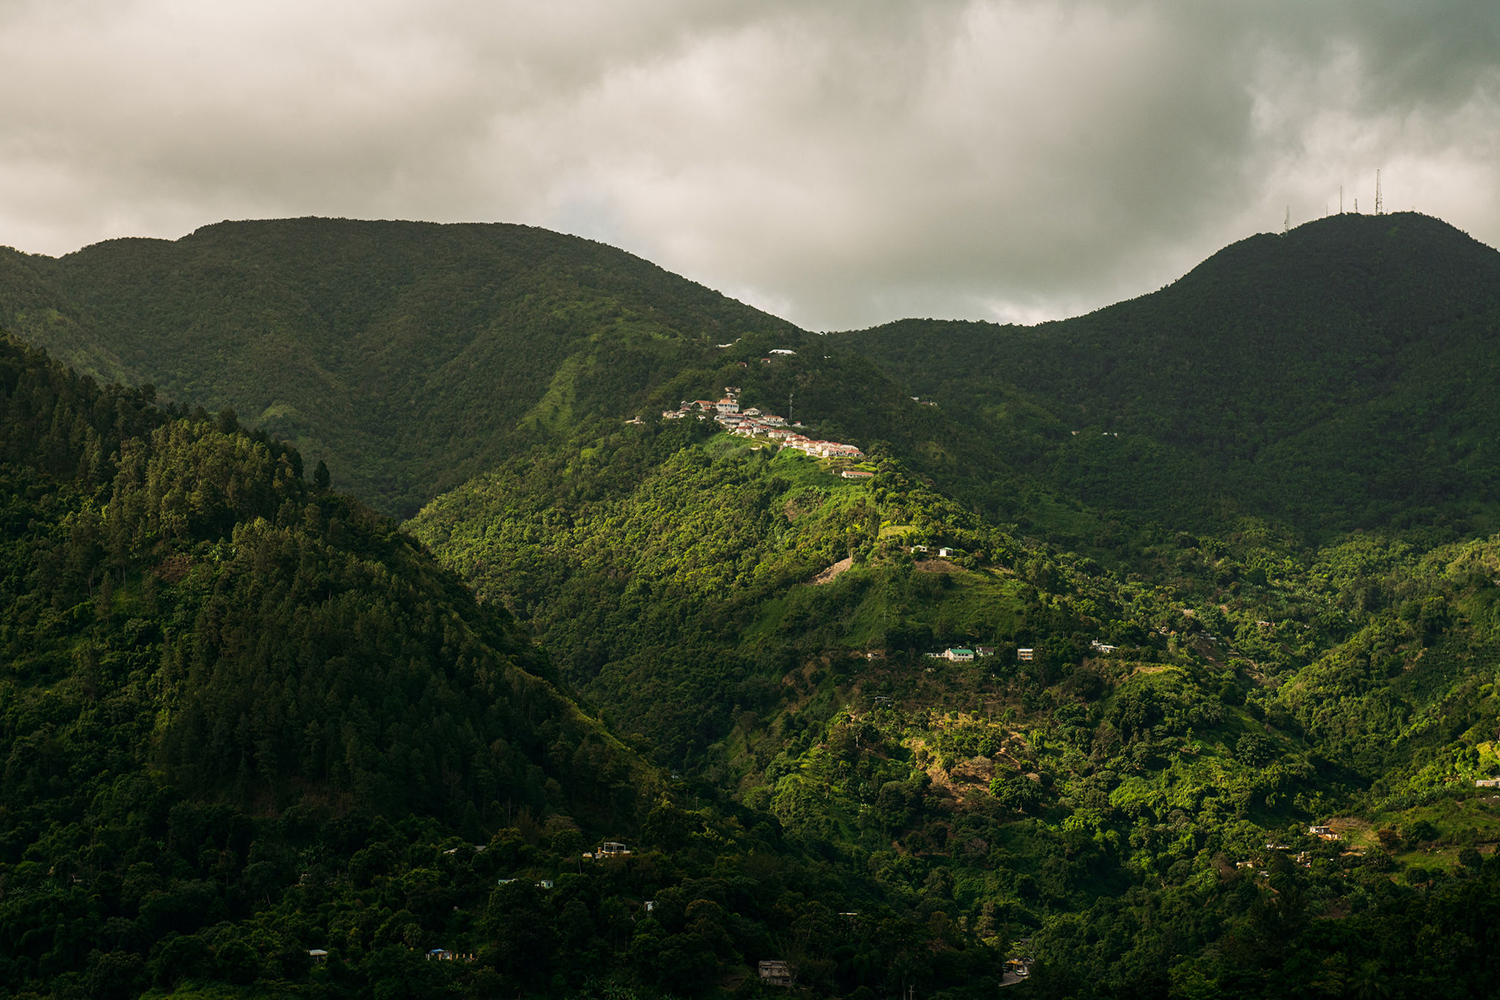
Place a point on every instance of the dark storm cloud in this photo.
(841, 163)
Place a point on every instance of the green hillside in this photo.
(1334, 378)
(248, 716)
(405, 354)
(1266, 688)
(216, 675)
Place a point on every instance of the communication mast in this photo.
(1341, 199)
(1379, 205)
(1286, 223)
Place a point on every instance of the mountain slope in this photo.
(1332, 378)
(407, 354)
(197, 646)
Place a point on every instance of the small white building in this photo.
(1025, 655)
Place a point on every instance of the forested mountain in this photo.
(1135, 796)
(249, 717)
(218, 674)
(1335, 377)
(406, 354)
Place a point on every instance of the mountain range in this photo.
(1149, 653)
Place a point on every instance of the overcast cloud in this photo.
(838, 163)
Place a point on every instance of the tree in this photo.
(321, 479)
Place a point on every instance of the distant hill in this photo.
(404, 353)
(1339, 376)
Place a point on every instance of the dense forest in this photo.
(1333, 378)
(403, 354)
(1227, 680)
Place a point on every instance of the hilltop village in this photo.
(752, 422)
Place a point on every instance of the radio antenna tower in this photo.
(1379, 205)
(1286, 223)
(1341, 199)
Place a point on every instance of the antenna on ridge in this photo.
(1379, 205)
(1286, 223)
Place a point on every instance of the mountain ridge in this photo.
(1223, 616)
(303, 315)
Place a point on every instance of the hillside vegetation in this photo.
(1334, 378)
(405, 354)
(252, 717)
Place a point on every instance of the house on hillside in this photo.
(776, 972)
(958, 655)
(984, 650)
(782, 350)
(1487, 782)
(1025, 655)
(727, 405)
(857, 474)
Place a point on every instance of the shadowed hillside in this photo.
(1335, 377)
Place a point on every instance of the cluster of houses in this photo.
(1025, 654)
(1303, 858)
(752, 422)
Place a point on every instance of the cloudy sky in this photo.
(840, 163)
